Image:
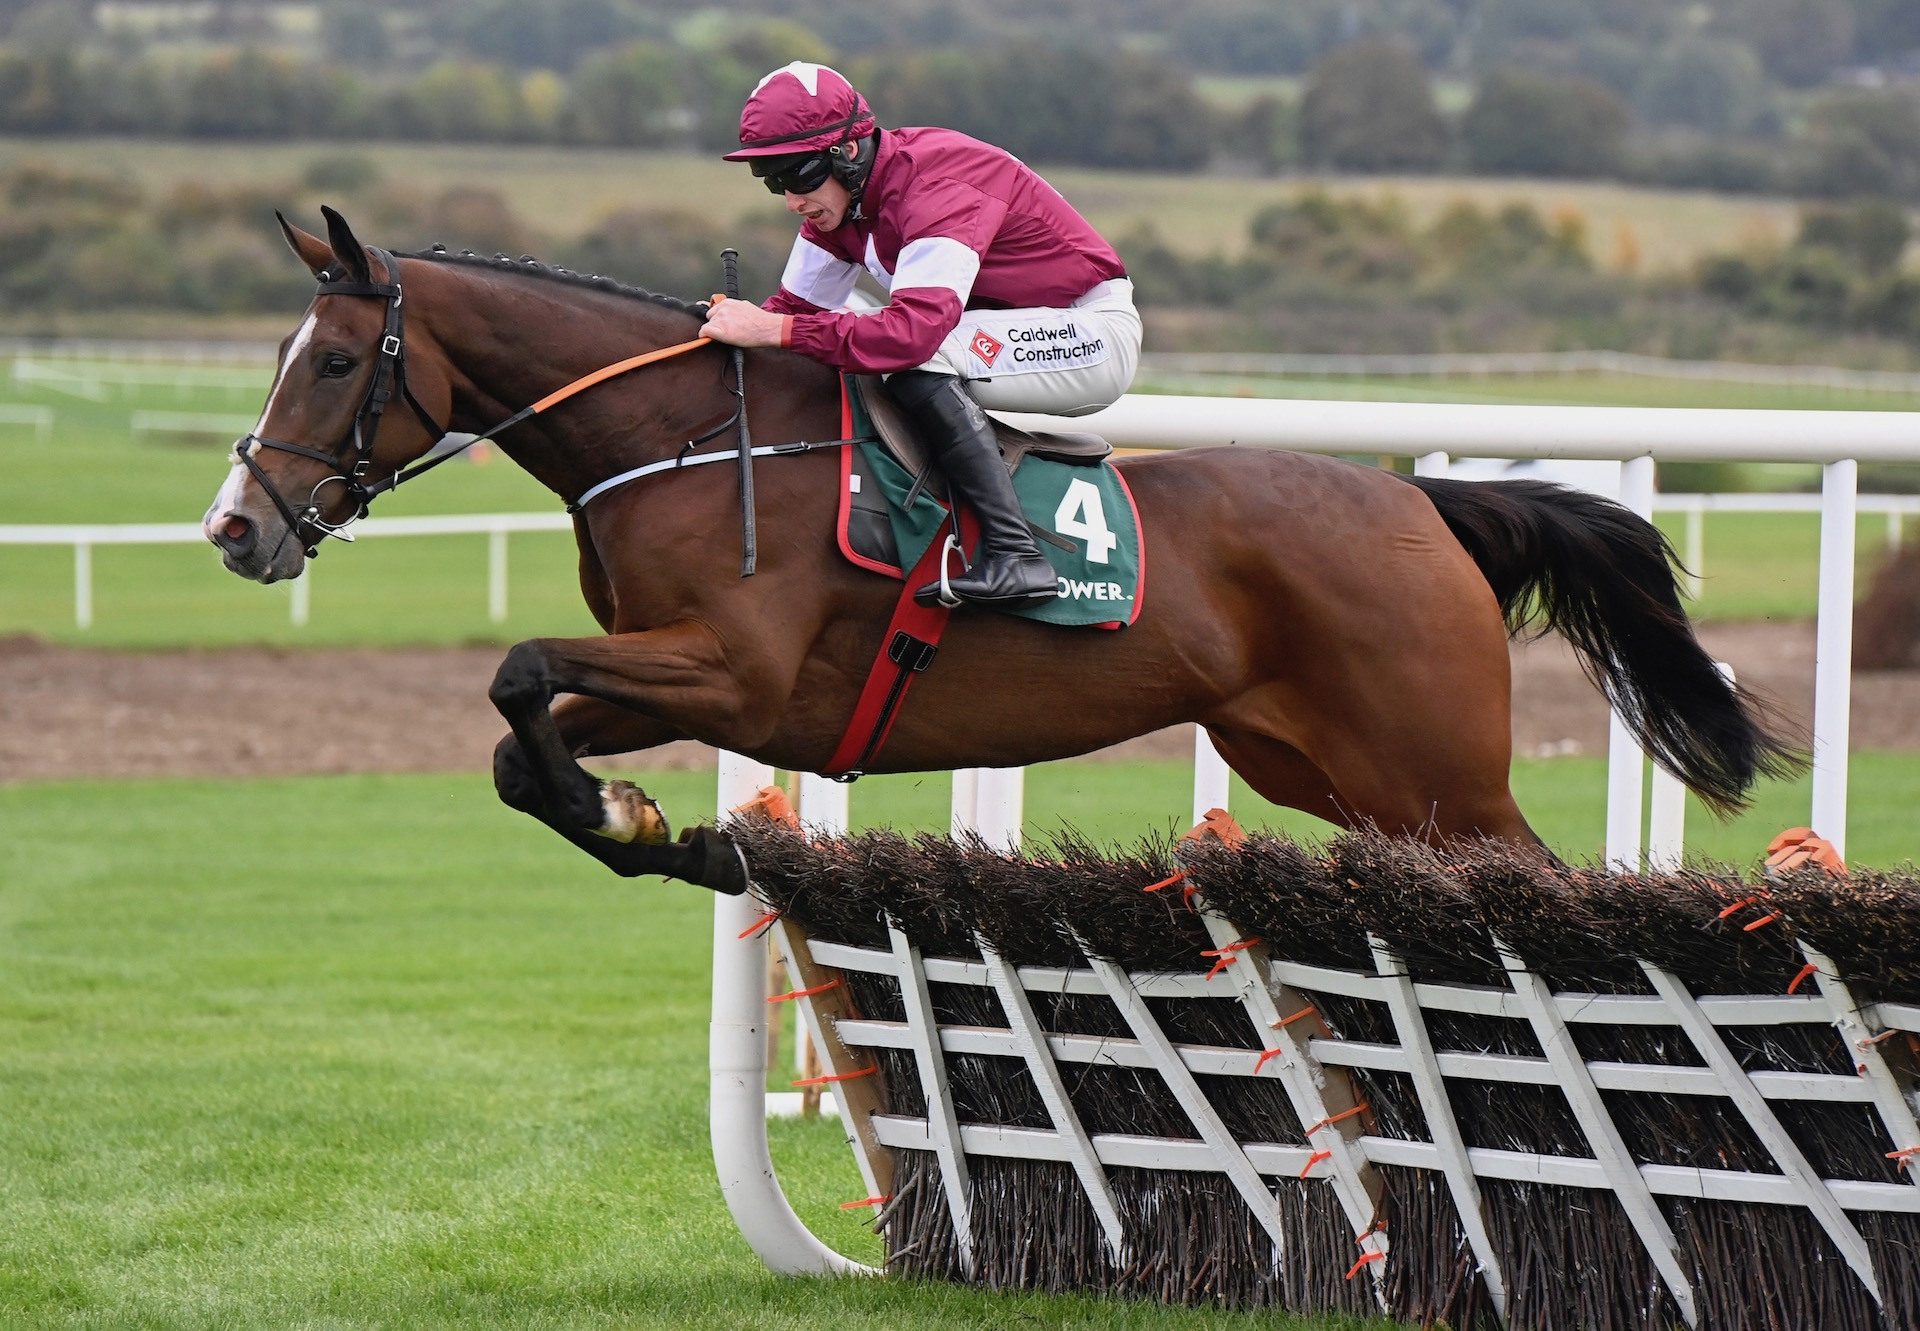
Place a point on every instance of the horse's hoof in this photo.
(630, 815)
(723, 866)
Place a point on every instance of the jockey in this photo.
(1002, 295)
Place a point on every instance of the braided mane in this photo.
(528, 266)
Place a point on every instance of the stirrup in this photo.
(946, 595)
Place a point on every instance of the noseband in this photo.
(351, 459)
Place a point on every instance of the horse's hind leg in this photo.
(1279, 773)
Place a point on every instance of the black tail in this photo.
(1604, 577)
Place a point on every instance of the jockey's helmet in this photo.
(801, 108)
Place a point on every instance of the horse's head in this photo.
(326, 441)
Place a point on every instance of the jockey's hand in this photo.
(741, 323)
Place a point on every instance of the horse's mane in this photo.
(528, 266)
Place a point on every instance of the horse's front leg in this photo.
(535, 768)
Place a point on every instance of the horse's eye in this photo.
(336, 366)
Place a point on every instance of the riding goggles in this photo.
(800, 174)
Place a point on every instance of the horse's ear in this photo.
(345, 247)
(312, 250)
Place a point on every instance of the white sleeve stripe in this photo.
(937, 261)
(818, 276)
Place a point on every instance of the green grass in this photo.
(363, 1051)
(567, 190)
(375, 1051)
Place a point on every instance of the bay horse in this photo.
(1339, 630)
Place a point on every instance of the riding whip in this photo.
(730, 267)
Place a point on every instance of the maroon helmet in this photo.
(801, 108)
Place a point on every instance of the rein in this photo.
(353, 456)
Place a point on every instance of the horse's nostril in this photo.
(235, 527)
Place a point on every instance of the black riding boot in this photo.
(1010, 570)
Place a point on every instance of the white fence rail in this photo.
(1478, 365)
(82, 538)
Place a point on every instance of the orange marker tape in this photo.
(1737, 906)
(1179, 876)
(1265, 1054)
(1354, 1270)
(792, 994)
(1805, 971)
(1875, 1039)
(1332, 1119)
(837, 1076)
(1764, 919)
(866, 1201)
(1308, 1011)
(759, 924)
(1315, 1159)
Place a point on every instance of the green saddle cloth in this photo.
(1089, 506)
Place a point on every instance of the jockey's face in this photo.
(825, 207)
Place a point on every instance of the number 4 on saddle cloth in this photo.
(893, 509)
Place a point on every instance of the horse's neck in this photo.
(513, 341)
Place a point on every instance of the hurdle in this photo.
(1372, 1080)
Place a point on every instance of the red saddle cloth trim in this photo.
(889, 678)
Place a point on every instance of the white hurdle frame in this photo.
(783, 1241)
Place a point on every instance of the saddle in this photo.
(897, 436)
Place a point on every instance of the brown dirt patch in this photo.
(75, 711)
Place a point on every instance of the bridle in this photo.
(352, 457)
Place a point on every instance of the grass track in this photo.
(364, 1051)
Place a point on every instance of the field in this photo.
(569, 189)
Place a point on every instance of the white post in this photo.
(999, 799)
(301, 598)
(965, 814)
(1696, 546)
(1667, 821)
(823, 803)
(737, 1073)
(1430, 464)
(497, 576)
(1833, 651)
(82, 585)
(1626, 765)
(1211, 777)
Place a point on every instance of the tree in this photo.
(1800, 41)
(1529, 125)
(1046, 104)
(1369, 107)
(1245, 37)
(1861, 142)
(1715, 86)
(1873, 233)
(627, 96)
(355, 31)
(552, 35)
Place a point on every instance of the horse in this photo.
(1340, 631)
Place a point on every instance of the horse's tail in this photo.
(1604, 577)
